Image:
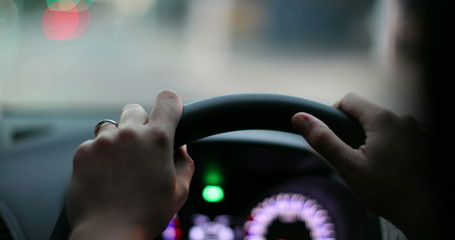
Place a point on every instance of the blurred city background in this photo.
(102, 54)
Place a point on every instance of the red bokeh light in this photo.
(65, 25)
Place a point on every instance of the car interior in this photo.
(241, 67)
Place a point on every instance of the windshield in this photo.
(107, 53)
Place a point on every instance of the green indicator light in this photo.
(212, 173)
(213, 177)
(212, 193)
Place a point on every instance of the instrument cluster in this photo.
(246, 190)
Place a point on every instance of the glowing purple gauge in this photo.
(290, 208)
(204, 228)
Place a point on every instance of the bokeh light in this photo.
(65, 25)
(172, 231)
(68, 5)
(204, 228)
(84, 20)
(8, 17)
(129, 12)
(213, 193)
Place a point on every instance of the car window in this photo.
(106, 53)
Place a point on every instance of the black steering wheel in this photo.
(260, 111)
(248, 111)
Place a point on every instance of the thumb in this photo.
(323, 140)
(184, 165)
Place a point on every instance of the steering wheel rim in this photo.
(260, 111)
(248, 111)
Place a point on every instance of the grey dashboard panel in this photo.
(35, 165)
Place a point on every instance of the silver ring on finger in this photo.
(103, 123)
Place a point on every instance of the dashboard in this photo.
(252, 185)
(273, 186)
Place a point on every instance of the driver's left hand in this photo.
(128, 182)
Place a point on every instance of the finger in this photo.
(133, 114)
(105, 127)
(184, 165)
(82, 154)
(358, 107)
(167, 111)
(322, 139)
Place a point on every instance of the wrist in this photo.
(112, 228)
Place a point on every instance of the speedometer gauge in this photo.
(289, 216)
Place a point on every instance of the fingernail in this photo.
(301, 122)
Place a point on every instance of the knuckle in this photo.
(103, 141)
(413, 126)
(127, 134)
(350, 95)
(169, 93)
(409, 120)
(385, 115)
(317, 136)
(82, 153)
(131, 106)
(160, 136)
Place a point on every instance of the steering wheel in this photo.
(260, 111)
(248, 111)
